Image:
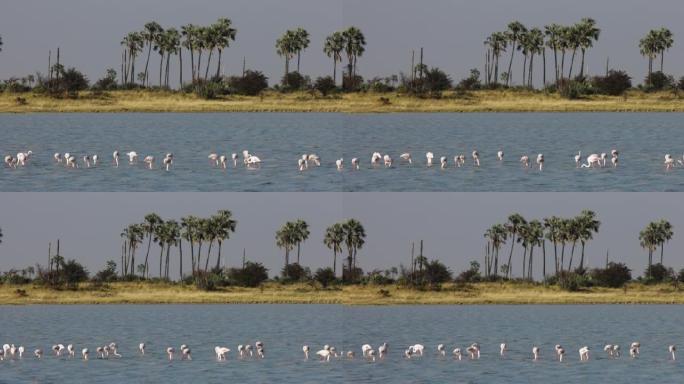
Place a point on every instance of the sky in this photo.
(451, 224)
(451, 31)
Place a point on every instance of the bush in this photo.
(325, 85)
(436, 273)
(354, 276)
(436, 80)
(107, 83)
(251, 84)
(658, 273)
(73, 81)
(614, 84)
(571, 281)
(471, 275)
(615, 275)
(208, 281)
(293, 81)
(108, 274)
(325, 276)
(680, 85)
(73, 273)
(209, 90)
(471, 82)
(353, 84)
(379, 85)
(657, 81)
(294, 273)
(251, 275)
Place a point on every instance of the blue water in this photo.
(285, 328)
(279, 140)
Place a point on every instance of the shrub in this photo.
(436, 80)
(209, 90)
(325, 276)
(73, 273)
(108, 274)
(571, 281)
(614, 84)
(251, 84)
(471, 82)
(353, 84)
(251, 275)
(657, 81)
(658, 273)
(325, 85)
(680, 85)
(107, 83)
(436, 273)
(470, 275)
(294, 272)
(73, 81)
(573, 90)
(354, 276)
(615, 275)
(208, 281)
(293, 81)
(379, 85)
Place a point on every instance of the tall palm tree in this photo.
(225, 225)
(588, 225)
(172, 41)
(649, 47)
(496, 44)
(133, 43)
(513, 33)
(354, 47)
(225, 33)
(189, 33)
(354, 239)
(572, 230)
(515, 221)
(333, 47)
(648, 239)
(497, 236)
(286, 239)
(149, 35)
(286, 46)
(553, 34)
(534, 45)
(302, 43)
(589, 33)
(665, 234)
(152, 220)
(160, 45)
(666, 41)
(134, 235)
(534, 238)
(334, 237)
(189, 234)
(0, 43)
(574, 43)
(301, 235)
(553, 226)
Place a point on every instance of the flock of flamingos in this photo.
(472, 352)
(377, 159)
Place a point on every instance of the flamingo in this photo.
(417, 349)
(71, 161)
(234, 156)
(253, 161)
(333, 350)
(213, 159)
(132, 157)
(672, 349)
(241, 350)
(584, 353)
(23, 157)
(113, 347)
(324, 354)
(540, 161)
(408, 353)
(603, 159)
(350, 355)
(406, 157)
(578, 159)
(306, 349)
(535, 353)
(429, 156)
(185, 353)
(525, 161)
(371, 354)
(95, 159)
(57, 349)
(245, 155)
(388, 161)
(616, 350)
(170, 351)
(669, 162)
(364, 349)
(315, 159)
(593, 161)
(71, 350)
(222, 161)
(634, 348)
(168, 161)
(13, 351)
(149, 160)
(474, 351)
(86, 160)
(382, 350)
(375, 158)
(614, 160)
(115, 158)
(560, 352)
(500, 155)
(221, 353)
(460, 160)
(457, 353)
(10, 161)
(355, 163)
(84, 353)
(476, 158)
(441, 350)
(443, 162)
(38, 353)
(609, 349)
(301, 164)
(339, 164)
(21, 349)
(502, 349)
(58, 157)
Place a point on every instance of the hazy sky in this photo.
(451, 224)
(452, 31)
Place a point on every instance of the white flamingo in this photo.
(355, 163)
(364, 349)
(375, 158)
(474, 351)
(502, 349)
(388, 161)
(460, 160)
(58, 157)
(560, 352)
(38, 353)
(84, 353)
(535, 353)
(417, 349)
(584, 353)
(406, 157)
(213, 159)
(578, 159)
(441, 349)
(170, 351)
(476, 158)
(71, 161)
(241, 350)
(672, 349)
(324, 354)
(371, 355)
(253, 162)
(636, 346)
(315, 159)
(86, 160)
(608, 349)
(603, 159)
(71, 350)
(223, 161)
(540, 161)
(306, 350)
(57, 349)
(443, 162)
(457, 353)
(669, 162)
(382, 350)
(132, 157)
(350, 355)
(593, 161)
(339, 163)
(10, 161)
(500, 155)
(23, 157)
(525, 161)
(95, 159)
(234, 156)
(429, 156)
(115, 158)
(21, 350)
(301, 164)
(149, 160)
(186, 353)
(221, 353)
(168, 161)
(616, 350)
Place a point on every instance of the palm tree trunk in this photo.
(299, 57)
(555, 254)
(582, 68)
(299, 246)
(555, 62)
(192, 64)
(206, 72)
(147, 63)
(180, 259)
(334, 71)
(161, 64)
(662, 60)
(562, 67)
(572, 63)
(581, 266)
(218, 258)
(198, 73)
(510, 65)
(562, 260)
(524, 260)
(147, 255)
(161, 256)
(168, 252)
(218, 66)
(180, 72)
(496, 261)
(334, 261)
(166, 77)
(544, 64)
(544, 259)
(206, 263)
(192, 256)
(198, 265)
(662, 246)
(510, 257)
(529, 267)
(572, 254)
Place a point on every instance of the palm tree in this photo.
(648, 239)
(665, 234)
(334, 237)
(189, 234)
(649, 47)
(286, 239)
(133, 43)
(225, 225)
(553, 226)
(589, 33)
(172, 41)
(133, 235)
(149, 35)
(0, 43)
(515, 221)
(225, 33)
(189, 33)
(333, 47)
(152, 220)
(535, 237)
(588, 225)
(534, 41)
(666, 41)
(514, 32)
(286, 47)
(553, 39)
(354, 239)
(301, 43)
(160, 45)
(497, 236)
(496, 44)
(574, 42)
(354, 47)
(572, 230)
(301, 234)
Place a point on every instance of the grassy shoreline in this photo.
(476, 101)
(274, 293)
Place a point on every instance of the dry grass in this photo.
(273, 293)
(479, 101)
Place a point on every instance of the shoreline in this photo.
(275, 293)
(486, 101)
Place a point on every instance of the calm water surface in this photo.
(285, 328)
(279, 140)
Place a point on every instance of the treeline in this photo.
(559, 241)
(564, 47)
